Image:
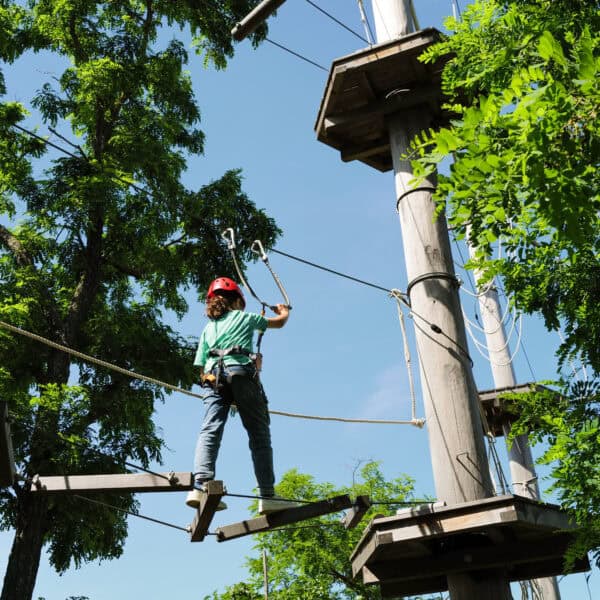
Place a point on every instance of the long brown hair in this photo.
(222, 302)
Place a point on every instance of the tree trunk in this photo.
(24, 559)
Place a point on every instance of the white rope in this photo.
(399, 297)
(469, 325)
(97, 361)
(416, 422)
(485, 331)
(483, 292)
(91, 359)
(479, 345)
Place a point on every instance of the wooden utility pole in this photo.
(522, 468)
(460, 466)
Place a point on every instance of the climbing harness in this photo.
(258, 249)
(229, 371)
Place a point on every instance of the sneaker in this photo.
(195, 496)
(266, 506)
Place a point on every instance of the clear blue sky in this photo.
(341, 352)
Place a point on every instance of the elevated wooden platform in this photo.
(500, 412)
(366, 87)
(412, 553)
(7, 459)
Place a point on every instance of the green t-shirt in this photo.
(234, 328)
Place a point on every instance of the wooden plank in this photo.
(118, 483)
(284, 517)
(206, 510)
(357, 512)
(7, 458)
(364, 151)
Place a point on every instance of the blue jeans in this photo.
(247, 393)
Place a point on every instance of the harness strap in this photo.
(217, 352)
(222, 353)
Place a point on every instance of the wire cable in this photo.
(82, 158)
(257, 497)
(46, 142)
(328, 270)
(114, 460)
(133, 514)
(360, 37)
(297, 55)
(141, 190)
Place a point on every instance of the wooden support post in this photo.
(206, 510)
(357, 512)
(7, 460)
(284, 517)
(118, 483)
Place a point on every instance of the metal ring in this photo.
(434, 275)
(417, 189)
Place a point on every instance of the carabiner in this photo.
(259, 249)
(229, 236)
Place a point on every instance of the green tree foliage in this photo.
(524, 84)
(569, 424)
(526, 148)
(97, 247)
(312, 559)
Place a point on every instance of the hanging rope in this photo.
(518, 345)
(107, 365)
(97, 361)
(398, 296)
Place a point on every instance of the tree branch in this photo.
(11, 243)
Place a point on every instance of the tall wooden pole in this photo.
(459, 461)
(522, 467)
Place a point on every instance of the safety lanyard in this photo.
(258, 249)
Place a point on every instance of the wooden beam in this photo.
(284, 517)
(364, 151)
(206, 510)
(357, 512)
(7, 459)
(118, 483)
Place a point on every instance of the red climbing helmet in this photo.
(225, 284)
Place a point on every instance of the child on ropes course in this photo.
(228, 366)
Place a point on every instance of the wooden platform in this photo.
(412, 553)
(366, 87)
(498, 410)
